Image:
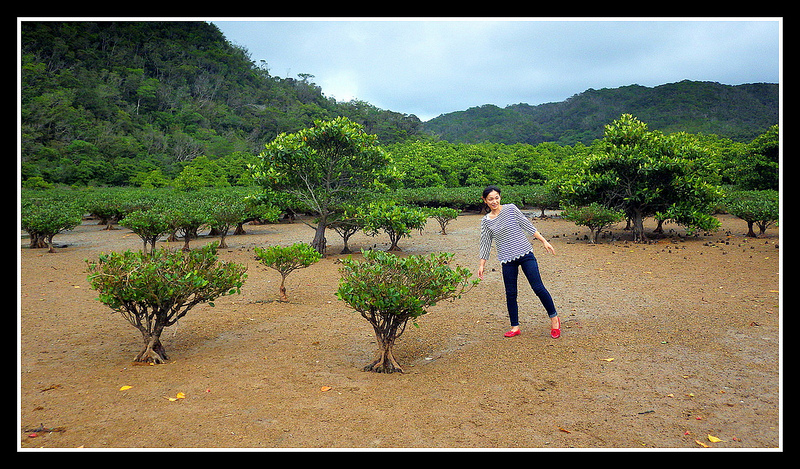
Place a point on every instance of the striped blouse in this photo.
(508, 231)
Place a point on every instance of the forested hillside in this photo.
(119, 103)
(103, 102)
(737, 112)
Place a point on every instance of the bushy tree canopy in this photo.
(646, 173)
(324, 167)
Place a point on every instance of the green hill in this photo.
(739, 112)
(105, 102)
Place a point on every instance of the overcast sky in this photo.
(434, 66)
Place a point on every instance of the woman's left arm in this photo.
(547, 246)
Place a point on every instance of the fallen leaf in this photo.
(607, 359)
(125, 388)
(563, 430)
(325, 388)
(180, 395)
(713, 439)
(701, 443)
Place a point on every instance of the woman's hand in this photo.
(547, 246)
(480, 268)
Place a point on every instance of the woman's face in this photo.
(493, 200)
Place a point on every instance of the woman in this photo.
(507, 226)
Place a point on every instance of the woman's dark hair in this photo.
(489, 190)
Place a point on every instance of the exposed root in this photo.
(153, 353)
(384, 364)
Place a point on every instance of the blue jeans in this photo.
(531, 270)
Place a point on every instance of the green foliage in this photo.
(164, 94)
(108, 206)
(324, 167)
(594, 216)
(544, 196)
(144, 211)
(149, 225)
(758, 168)
(645, 173)
(397, 221)
(443, 215)
(347, 223)
(36, 182)
(459, 198)
(760, 208)
(194, 177)
(43, 218)
(150, 179)
(153, 291)
(287, 259)
(427, 163)
(186, 217)
(388, 291)
(231, 209)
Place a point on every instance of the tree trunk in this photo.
(50, 243)
(346, 239)
(282, 288)
(386, 336)
(38, 241)
(750, 232)
(394, 239)
(637, 221)
(319, 236)
(153, 352)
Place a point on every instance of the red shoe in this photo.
(556, 333)
(512, 333)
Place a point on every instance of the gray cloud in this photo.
(431, 67)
